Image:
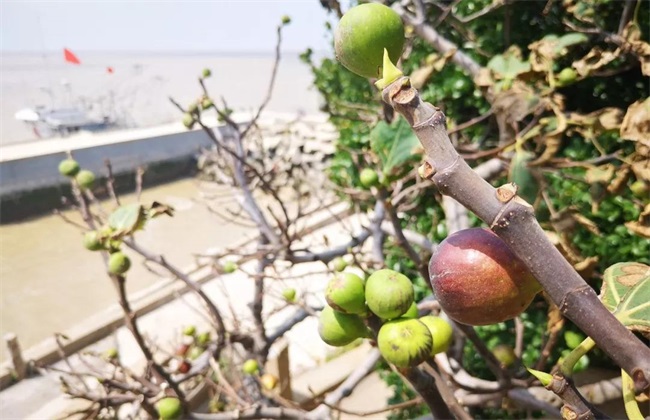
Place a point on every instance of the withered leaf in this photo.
(636, 123)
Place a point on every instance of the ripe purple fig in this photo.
(478, 280)
(389, 294)
(344, 293)
(404, 342)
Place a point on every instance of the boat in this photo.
(48, 122)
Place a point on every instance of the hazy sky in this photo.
(181, 25)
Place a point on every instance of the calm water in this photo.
(49, 281)
(138, 90)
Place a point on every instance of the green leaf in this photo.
(521, 174)
(394, 144)
(626, 293)
(508, 66)
(568, 40)
(126, 219)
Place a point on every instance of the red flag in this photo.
(110, 70)
(70, 57)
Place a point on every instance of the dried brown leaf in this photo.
(600, 174)
(586, 267)
(636, 123)
(642, 226)
(642, 170)
(594, 60)
(619, 181)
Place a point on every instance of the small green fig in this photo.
(194, 353)
(363, 33)
(118, 263)
(640, 189)
(206, 73)
(203, 339)
(339, 264)
(193, 108)
(169, 409)
(190, 330)
(567, 76)
(412, 312)
(250, 367)
(111, 354)
(69, 167)
(404, 342)
(188, 120)
(478, 280)
(286, 20)
(268, 381)
(368, 178)
(338, 329)
(441, 333)
(85, 179)
(389, 294)
(93, 241)
(206, 103)
(289, 295)
(345, 293)
(229, 267)
(505, 354)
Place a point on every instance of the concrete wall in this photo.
(40, 170)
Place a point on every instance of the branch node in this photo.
(426, 170)
(506, 192)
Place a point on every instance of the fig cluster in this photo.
(386, 298)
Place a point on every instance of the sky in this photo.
(161, 26)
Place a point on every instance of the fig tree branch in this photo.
(514, 221)
(346, 388)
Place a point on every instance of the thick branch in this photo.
(514, 221)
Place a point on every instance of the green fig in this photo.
(194, 353)
(404, 342)
(169, 409)
(188, 121)
(286, 20)
(389, 294)
(203, 339)
(505, 354)
(412, 312)
(190, 330)
(368, 178)
(567, 76)
(206, 73)
(268, 381)
(85, 179)
(118, 263)
(338, 329)
(69, 167)
(441, 333)
(339, 264)
(363, 33)
(229, 267)
(206, 103)
(289, 295)
(345, 294)
(92, 241)
(250, 367)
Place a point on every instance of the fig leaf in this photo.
(626, 293)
